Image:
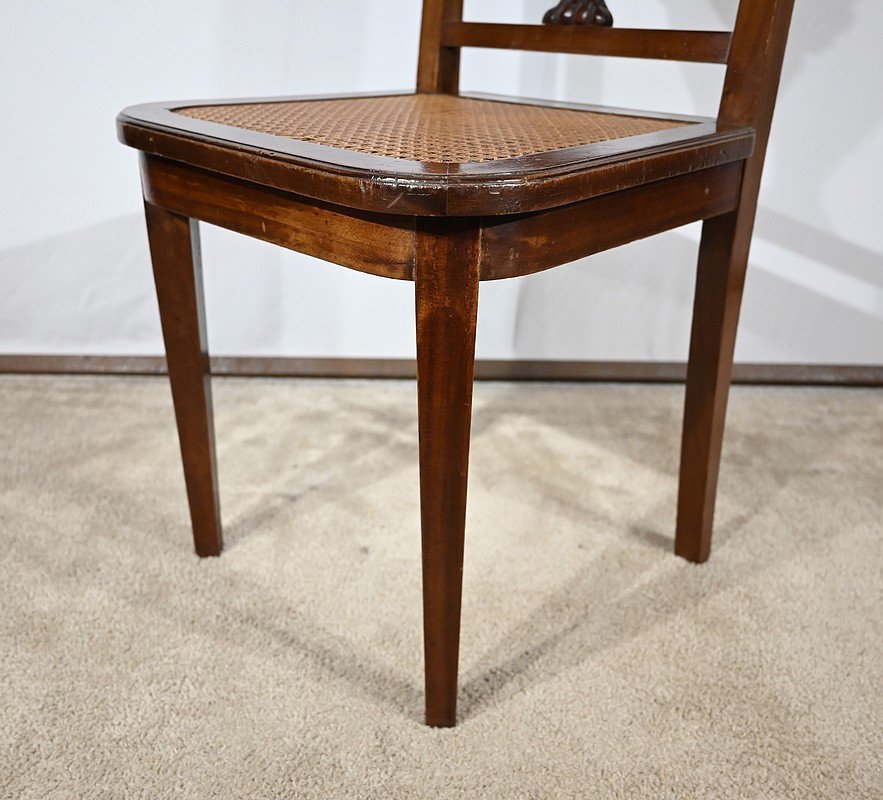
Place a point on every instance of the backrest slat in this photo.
(711, 47)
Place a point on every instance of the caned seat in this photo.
(447, 189)
(435, 129)
(437, 152)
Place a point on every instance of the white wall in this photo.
(74, 270)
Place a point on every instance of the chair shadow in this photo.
(336, 658)
(582, 621)
(571, 613)
(651, 538)
(330, 656)
(598, 608)
(593, 610)
(375, 433)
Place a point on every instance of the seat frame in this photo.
(448, 227)
(385, 185)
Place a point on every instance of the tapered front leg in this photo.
(723, 258)
(174, 248)
(446, 277)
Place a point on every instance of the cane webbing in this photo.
(430, 128)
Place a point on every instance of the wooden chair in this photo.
(446, 190)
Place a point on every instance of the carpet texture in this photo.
(594, 663)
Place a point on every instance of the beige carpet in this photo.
(594, 663)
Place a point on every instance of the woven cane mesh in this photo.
(432, 128)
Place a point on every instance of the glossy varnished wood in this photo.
(719, 283)
(386, 245)
(438, 67)
(177, 271)
(449, 225)
(379, 244)
(447, 306)
(397, 186)
(749, 98)
(527, 243)
(709, 47)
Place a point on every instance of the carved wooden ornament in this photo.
(579, 12)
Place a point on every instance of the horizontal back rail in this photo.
(704, 47)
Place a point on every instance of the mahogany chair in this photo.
(446, 190)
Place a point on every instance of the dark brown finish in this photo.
(709, 47)
(397, 186)
(836, 375)
(527, 243)
(447, 306)
(749, 98)
(464, 215)
(377, 244)
(438, 67)
(579, 12)
(177, 271)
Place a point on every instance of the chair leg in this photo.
(446, 276)
(723, 258)
(174, 249)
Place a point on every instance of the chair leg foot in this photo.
(447, 301)
(723, 257)
(174, 248)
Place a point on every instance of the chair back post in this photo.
(754, 69)
(438, 69)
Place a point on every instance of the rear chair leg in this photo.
(723, 258)
(174, 249)
(446, 278)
